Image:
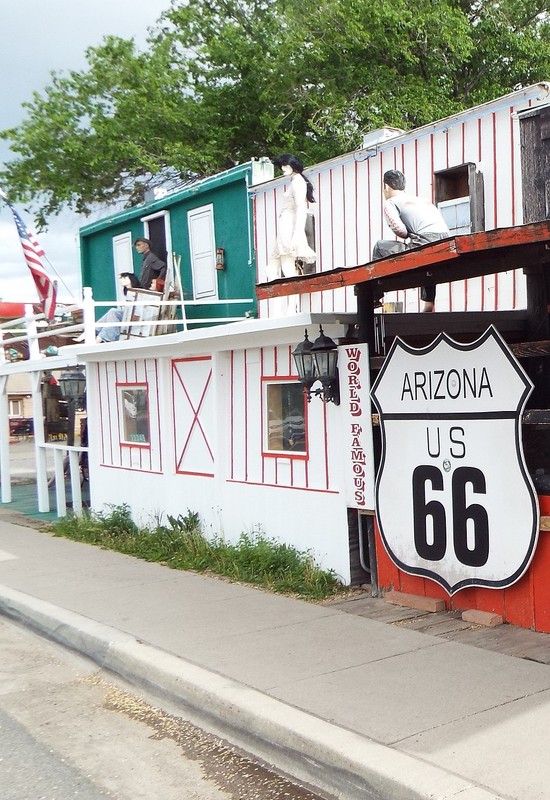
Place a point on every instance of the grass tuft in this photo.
(181, 544)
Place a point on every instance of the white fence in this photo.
(30, 337)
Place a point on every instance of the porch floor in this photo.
(508, 639)
(24, 501)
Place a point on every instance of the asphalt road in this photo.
(68, 730)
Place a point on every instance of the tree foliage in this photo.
(222, 81)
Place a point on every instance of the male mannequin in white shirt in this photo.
(414, 220)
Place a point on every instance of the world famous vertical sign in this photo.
(454, 500)
(354, 375)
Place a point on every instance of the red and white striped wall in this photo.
(206, 447)
(348, 209)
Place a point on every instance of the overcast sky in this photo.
(38, 37)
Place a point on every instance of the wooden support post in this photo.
(365, 314)
(538, 328)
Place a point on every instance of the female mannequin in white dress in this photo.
(291, 244)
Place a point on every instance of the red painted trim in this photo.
(381, 196)
(302, 455)
(191, 359)
(275, 220)
(495, 171)
(356, 179)
(196, 474)
(344, 225)
(287, 455)
(245, 386)
(115, 432)
(196, 411)
(173, 373)
(99, 367)
(284, 486)
(133, 383)
(512, 174)
(131, 469)
(325, 438)
(320, 228)
(262, 420)
(306, 463)
(370, 245)
(157, 394)
(479, 139)
(122, 442)
(416, 165)
(232, 413)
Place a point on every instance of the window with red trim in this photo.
(285, 418)
(134, 414)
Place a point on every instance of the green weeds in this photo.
(181, 544)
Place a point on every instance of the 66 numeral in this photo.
(474, 514)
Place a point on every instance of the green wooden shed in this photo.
(204, 230)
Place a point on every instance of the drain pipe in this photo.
(369, 563)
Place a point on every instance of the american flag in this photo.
(46, 287)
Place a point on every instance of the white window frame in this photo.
(13, 404)
(167, 235)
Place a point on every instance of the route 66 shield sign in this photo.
(454, 500)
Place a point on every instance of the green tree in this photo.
(222, 81)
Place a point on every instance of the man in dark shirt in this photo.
(153, 269)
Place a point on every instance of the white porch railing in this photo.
(32, 331)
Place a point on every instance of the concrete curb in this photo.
(311, 750)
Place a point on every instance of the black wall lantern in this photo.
(72, 384)
(318, 362)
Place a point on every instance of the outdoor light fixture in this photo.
(72, 384)
(318, 362)
(305, 364)
(220, 258)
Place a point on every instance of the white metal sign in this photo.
(455, 502)
(354, 374)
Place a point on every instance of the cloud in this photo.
(38, 38)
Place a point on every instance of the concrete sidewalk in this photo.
(355, 707)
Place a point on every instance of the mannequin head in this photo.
(142, 245)
(288, 160)
(291, 165)
(128, 280)
(394, 181)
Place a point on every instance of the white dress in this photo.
(291, 226)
